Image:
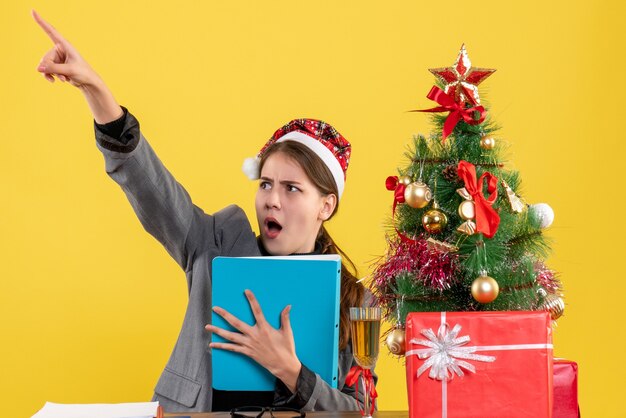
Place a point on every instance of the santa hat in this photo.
(319, 137)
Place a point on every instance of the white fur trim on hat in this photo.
(251, 167)
(321, 151)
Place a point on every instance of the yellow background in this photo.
(91, 305)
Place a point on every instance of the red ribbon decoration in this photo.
(393, 183)
(457, 110)
(487, 219)
(352, 380)
(398, 188)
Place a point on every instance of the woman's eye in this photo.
(265, 185)
(292, 188)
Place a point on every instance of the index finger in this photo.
(235, 322)
(48, 28)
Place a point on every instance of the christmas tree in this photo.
(461, 238)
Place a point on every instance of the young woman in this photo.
(302, 172)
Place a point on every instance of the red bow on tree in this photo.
(487, 219)
(393, 184)
(457, 110)
(353, 377)
(398, 188)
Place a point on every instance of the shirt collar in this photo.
(316, 251)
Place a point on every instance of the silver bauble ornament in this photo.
(544, 213)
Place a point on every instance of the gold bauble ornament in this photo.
(417, 195)
(434, 221)
(395, 342)
(406, 180)
(555, 305)
(487, 142)
(485, 289)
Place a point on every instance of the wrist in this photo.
(94, 87)
(289, 374)
(101, 101)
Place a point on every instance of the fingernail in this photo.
(41, 68)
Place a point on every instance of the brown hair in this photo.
(320, 175)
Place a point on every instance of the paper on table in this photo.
(120, 410)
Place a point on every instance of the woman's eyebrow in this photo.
(281, 182)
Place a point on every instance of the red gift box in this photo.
(479, 364)
(565, 389)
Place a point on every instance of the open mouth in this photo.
(272, 228)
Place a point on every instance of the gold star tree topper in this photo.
(462, 80)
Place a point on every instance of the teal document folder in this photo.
(310, 284)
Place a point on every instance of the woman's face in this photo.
(289, 208)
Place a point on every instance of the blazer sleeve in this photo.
(314, 394)
(162, 205)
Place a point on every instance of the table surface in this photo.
(319, 414)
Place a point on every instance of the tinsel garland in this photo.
(431, 267)
(547, 278)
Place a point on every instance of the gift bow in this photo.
(446, 356)
(352, 379)
(457, 110)
(392, 183)
(487, 219)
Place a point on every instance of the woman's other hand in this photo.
(272, 348)
(64, 62)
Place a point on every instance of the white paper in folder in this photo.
(119, 410)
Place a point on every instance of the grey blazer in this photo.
(193, 239)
